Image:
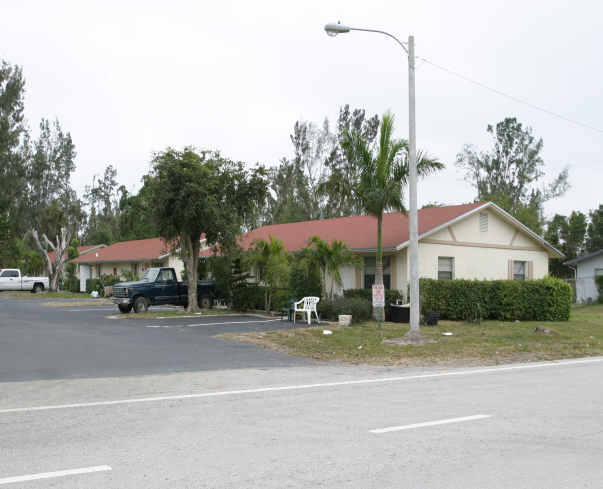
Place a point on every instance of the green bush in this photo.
(304, 279)
(109, 280)
(252, 297)
(360, 308)
(71, 285)
(391, 296)
(94, 284)
(548, 299)
(599, 282)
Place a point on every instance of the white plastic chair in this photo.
(307, 305)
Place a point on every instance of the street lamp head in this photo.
(334, 29)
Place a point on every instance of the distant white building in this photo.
(587, 268)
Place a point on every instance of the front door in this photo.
(84, 275)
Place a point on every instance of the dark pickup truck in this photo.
(159, 286)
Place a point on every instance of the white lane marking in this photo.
(260, 390)
(52, 475)
(430, 423)
(209, 324)
(101, 308)
(94, 309)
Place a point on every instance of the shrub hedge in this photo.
(360, 308)
(251, 297)
(391, 296)
(599, 282)
(548, 299)
(71, 285)
(94, 284)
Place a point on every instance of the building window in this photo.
(370, 264)
(445, 268)
(134, 267)
(483, 222)
(519, 270)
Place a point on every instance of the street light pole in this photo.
(412, 192)
(413, 222)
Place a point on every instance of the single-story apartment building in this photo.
(470, 241)
(133, 256)
(587, 267)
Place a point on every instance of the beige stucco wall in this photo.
(478, 263)
(501, 242)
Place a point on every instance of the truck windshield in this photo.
(150, 275)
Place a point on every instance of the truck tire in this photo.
(141, 304)
(124, 308)
(38, 288)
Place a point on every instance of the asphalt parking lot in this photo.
(41, 342)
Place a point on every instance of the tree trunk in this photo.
(266, 299)
(191, 265)
(55, 270)
(379, 312)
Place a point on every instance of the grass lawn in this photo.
(492, 342)
(44, 295)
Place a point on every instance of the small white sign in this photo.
(378, 295)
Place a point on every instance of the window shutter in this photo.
(510, 270)
(530, 270)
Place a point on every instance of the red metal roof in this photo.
(136, 250)
(82, 250)
(358, 232)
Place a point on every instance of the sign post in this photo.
(379, 301)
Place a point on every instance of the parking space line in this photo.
(52, 475)
(341, 383)
(209, 324)
(430, 423)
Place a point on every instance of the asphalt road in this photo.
(40, 342)
(527, 427)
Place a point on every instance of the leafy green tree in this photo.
(507, 175)
(201, 193)
(135, 217)
(13, 132)
(304, 276)
(329, 259)
(566, 234)
(103, 199)
(290, 196)
(317, 182)
(272, 261)
(384, 171)
(594, 240)
(337, 188)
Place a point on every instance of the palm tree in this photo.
(384, 172)
(271, 259)
(330, 258)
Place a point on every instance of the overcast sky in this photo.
(128, 78)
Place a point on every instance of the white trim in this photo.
(503, 213)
